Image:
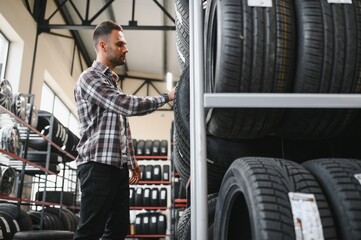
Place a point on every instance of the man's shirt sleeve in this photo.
(94, 89)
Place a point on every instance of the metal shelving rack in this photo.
(42, 181)
(199, 101)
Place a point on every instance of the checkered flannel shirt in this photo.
(102, 112)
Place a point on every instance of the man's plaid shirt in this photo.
(102, 111)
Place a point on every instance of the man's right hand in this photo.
(171, 94)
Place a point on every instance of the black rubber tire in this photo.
(35, 219)
(154, 200)
(163, 196)
(300, 180)
(166, 172)
(140, 148)
(148, 173)
(139, 223)
(153, 217)
(56, 221)
(251, 52)
(10, 139)
(18, 214)
(328, 61)
(131, 197)
(182, 107)
(155, 148)
(70, 144)
(182, 32)
(41, 157)
(72, 219)
(148, 147)
(52, 167)
(66, 220)
(55, 197)
(180, 183)
(338, 179)
(5, 227)
(283, 176)
(182, 164)
(44, 120)
(161, 223)
(6, 94)
(11, 225)
(146, 197)
(33, 121)
(253, 202)
(44, 235)
(183, 231)
(142, 172)
(163, 150)
(177, 185)
(157, 172)
(19, 105)
(145, 223)
(8, 179)
(138, 200)
(182, 146)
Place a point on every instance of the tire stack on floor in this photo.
(271, 166)
(16, 223)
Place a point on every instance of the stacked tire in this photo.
(151, 147)
(148, 197)
(13, 219)
(8, 179)
(54, 219)
(51, 128)
(41, 158)
(17, 103)
(150, 223)
(292, 47)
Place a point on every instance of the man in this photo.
(105, 150)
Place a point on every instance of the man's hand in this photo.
(171, 94)
(135, 174)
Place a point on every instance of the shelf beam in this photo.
(281, 100)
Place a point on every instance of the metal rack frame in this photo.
(199, 101)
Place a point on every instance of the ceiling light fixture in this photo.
(169, 78)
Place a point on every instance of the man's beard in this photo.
(116, 60)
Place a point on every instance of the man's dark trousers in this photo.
(104, 207)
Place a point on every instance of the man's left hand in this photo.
(135, 175)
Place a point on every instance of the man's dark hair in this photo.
(104, 29)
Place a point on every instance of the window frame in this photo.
(3, 67)
(54, 97)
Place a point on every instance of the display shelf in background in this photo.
(154, 160)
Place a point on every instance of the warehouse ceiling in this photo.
(148, 27)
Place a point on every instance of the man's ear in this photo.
(102, 46)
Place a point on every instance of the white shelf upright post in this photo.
(199, 209)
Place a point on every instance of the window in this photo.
(4, 51)
(51, 103)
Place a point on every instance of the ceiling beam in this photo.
(164, 11)
(46, 27)
(68, 20)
